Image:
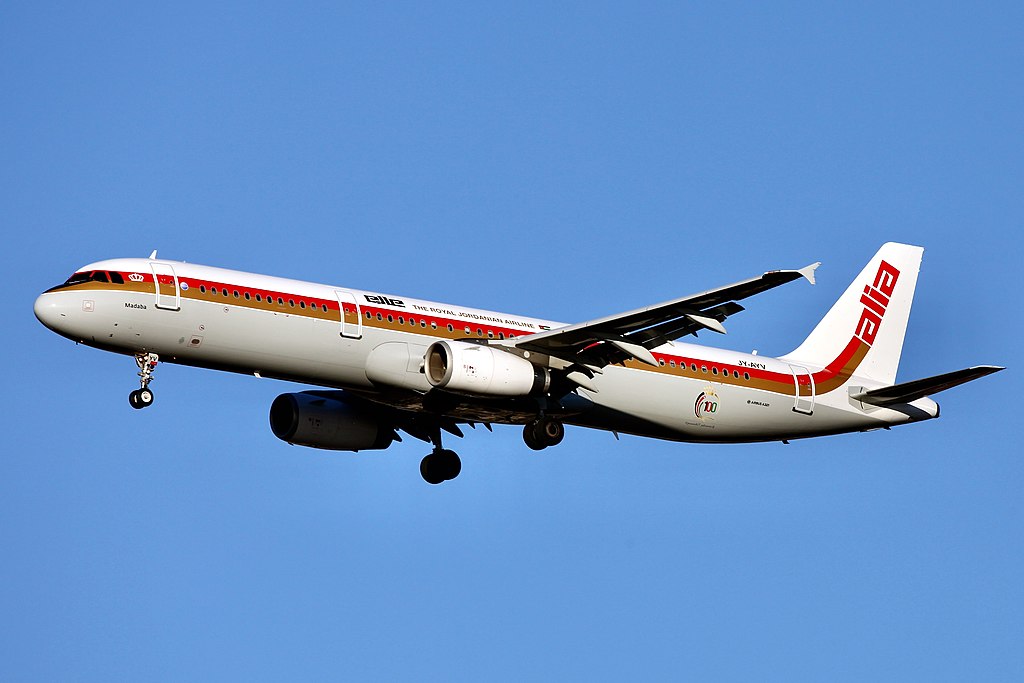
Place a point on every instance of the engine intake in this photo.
(482, 370)
(308, 419)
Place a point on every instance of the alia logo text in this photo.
(386, 301)
(876, 299)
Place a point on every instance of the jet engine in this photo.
(482, 370)
(308, 419)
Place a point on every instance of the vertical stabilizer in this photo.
(863, 332)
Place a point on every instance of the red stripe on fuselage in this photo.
(825, 380)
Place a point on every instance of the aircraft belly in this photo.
(224, 337)
(653, 404)
(276, 345)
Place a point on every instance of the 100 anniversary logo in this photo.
(706, 404)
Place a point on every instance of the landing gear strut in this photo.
(143, 396)
(543, 432)
(440, 465)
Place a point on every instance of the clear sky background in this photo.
(561, 160)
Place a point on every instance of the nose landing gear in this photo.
(143, 396)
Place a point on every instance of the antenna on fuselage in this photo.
(153, 255)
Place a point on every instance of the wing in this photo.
(616, 338)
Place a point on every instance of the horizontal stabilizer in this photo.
(911, 391)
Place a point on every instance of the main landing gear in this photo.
(143, 396)
(440, 465)
(543, 432)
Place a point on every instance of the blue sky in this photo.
(565, 162)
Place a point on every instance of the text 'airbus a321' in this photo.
(393, 364)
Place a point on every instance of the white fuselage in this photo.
(373, 344)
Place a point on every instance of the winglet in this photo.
(808, 271)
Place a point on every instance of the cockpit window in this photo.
(78, 278)
(90, 276)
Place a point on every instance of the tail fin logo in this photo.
(876, 299)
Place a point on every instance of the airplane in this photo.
(388, 364)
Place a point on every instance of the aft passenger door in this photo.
(803, 396)
(351, 316)
(168, 295)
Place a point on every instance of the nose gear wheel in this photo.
(143, 396)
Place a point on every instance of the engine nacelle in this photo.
(307, 419)
(482, 370)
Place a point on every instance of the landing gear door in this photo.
(351, 316)
(168, 295)
(803, 384)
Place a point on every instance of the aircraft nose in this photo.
(50, 311)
